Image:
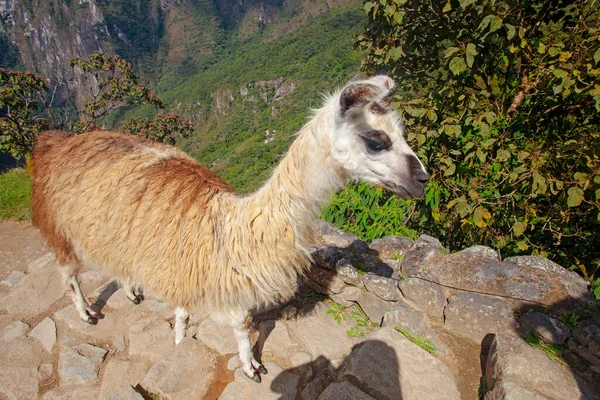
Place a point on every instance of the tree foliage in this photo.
(165, 128)
(502, 102)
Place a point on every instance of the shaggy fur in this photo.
(150, 214)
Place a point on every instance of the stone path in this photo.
(440, 315)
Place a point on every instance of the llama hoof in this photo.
(255, 376)
(137, 299)
(261, 369)
(90, 320)
(93, 314)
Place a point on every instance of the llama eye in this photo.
(376, 141)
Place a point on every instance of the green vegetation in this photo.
(15, 194)
(420, 340)
(570, 319)
(363, 324)
(501, 101)
(553, 351)
(337, 311)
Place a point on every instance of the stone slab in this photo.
(276, 385)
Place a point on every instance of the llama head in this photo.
(367, 139)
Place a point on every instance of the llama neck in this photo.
(302, 182)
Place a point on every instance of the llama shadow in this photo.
(372, 367)
(107, 291)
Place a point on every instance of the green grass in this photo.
(420, 340)
(15, 195)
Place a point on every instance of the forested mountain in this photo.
(244, 72)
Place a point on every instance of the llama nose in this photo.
(422, 176)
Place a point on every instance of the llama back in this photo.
(125, 204)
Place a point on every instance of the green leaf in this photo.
(450, 170)
(597, 56)
(510, 31)
(457, 65)
(522, 245)
(447, 7)
(465, 3)
(485, 22)
(519, 228)
(575, 196)
(450, 51)
(470, 54)
(495, 23)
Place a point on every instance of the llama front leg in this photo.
(241, 322)
(181, 321)
(133, 292)
(69, 274)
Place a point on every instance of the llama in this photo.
(154, 217)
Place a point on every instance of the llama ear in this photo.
(356, 94)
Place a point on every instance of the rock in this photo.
(358, 247)
(429, 297)
(586, 331)
(16, 330)
(387, 364)
(275, 337)
(73, 392)
(482, 251)
(412, 320)
(550, 329)
(327, 280)
(343, 391)
(313, 389)
(18, 382)
(348, 273)
(36, 291)
(423, 249)
(13, 279)
(327, 256)
(475, 315)
(217, 336)
(80, 364)
(301, 362)
(523, 284)
(348, 296)
(45, 371)
(512, 360)
(151, 338)
(276, 385)
(588, 356)
(126, 393)
(383, 287)
(575, 285)
(509, 391)
(185, 373)
(121, 374)
(333, 345)
(392, 247)
(373, 306)
(234, 363)
(289, 313)
(45, 332)
(327, 234)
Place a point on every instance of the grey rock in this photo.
(45, 332)
(383, 287)
(327, 256)
(475, 315)
(13, 279)
(424, 248)
(348, 296)
(509, 391)
(429, 297)
(126, 393)
(16, 330)
(588, 356)
(301, 362)
(550, 329)
(391, 247)
(185, 373)
(19, 382)
(73, 392)
(234, 362)
(313, 389)
(348, 273)
(217, 336)
(275, 337)
(327, 280)
(343, 391)
(289, 313)
(483, 251)
(587, 331)
(36, 291)
(121, 374)
(151, 338)
(358, 247)
(332, 346)
(373, 306)
(328, 235)
(594, 346)
(276, 385)
(575, 285)
(412, 320)
(80, 364)
(512, 360)
(387, 364)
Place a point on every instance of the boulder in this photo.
(343, 391)
(276, 385)
(45, 332)
(386, 365)
(391, 247)
(80, 364)
(550, 329)
(373, 306)
(429, 297)
(217, 336)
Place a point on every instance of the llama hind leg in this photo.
(86, 313)
(241, 322)
(132, 291)
(181, 321)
